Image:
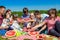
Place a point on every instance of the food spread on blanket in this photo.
(19, 33)
(29, 35)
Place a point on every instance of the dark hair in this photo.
(25, 10)
(15, 16)
(36, 12)
(53, 10)
(2, 7)
(8, 10)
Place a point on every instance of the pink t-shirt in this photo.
(51, 23)
(1, 20)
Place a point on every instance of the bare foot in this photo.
(13, 38)
(4, 37)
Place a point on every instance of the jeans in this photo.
(56, 30)
(54, 33)
(57, 26)
(2, 32)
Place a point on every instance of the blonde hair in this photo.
(32, 14)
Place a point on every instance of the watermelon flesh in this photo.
(26, 19)
(10, 33)
(33, 33)
(19, 19)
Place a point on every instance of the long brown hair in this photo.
(53, 10)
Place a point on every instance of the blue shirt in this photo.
(25, 16)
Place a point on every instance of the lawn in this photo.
(30, 11)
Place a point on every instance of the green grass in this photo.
(3, 38)
(41, 11)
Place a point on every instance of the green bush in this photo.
(41, 11)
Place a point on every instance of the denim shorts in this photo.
(2, 32)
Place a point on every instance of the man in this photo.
(2, 11)
(25, 16)
(39, 19)
(25, 13)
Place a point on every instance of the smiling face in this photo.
(52, 13)
(25, 11)
(38, 16)
(2, 10)
(9, 12)
(32, 16)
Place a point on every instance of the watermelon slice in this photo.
(19, 19)
(10, 33)
(33, 33)
(26, 19)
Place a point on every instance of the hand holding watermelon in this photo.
(20, 20)
(26, 19)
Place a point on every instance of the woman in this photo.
(8, 13)
(52, 22)
(15, 25)
(32, 20)
(25, 15)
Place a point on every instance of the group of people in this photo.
(42, 23)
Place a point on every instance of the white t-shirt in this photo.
(15, 25)
(5, 22)
(43, 16)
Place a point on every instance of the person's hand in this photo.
(26, 19)
(39, 31)
(5, 27)
(24, 29)
(20, 20)
(28, 26)
(32, 20)
(1, 27)
(32, 29)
